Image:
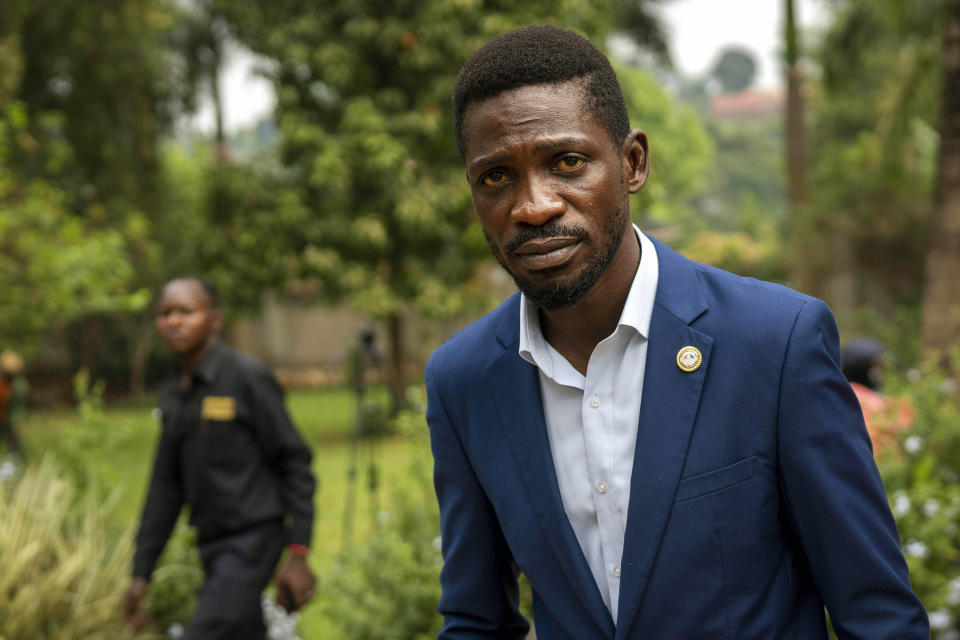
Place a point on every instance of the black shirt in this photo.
(229, 451)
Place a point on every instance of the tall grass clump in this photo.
(63, 564)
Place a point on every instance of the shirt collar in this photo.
(637, 310)
(207, 370)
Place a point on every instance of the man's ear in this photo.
(216, 320)
(635, 157)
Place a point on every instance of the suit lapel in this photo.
(516, 394)
(671, 398)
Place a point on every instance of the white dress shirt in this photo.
(592, 422)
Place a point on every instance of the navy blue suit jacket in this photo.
(754, 503)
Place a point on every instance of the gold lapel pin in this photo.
(689, 359)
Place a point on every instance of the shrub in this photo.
(921, 479)
(388, 589)
(63, 564)
(176, 580)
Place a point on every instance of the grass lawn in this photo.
(118, 448)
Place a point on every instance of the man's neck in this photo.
(190, 361)
(576, 330)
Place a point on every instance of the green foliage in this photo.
(389, 589)
(56, 266)
(873, 148)
(680, 150)
(93, 432)
(363, 95)
(64, 562)
(176, 580)
(921, 479)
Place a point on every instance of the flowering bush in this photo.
(922, 479)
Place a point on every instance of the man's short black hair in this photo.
(542, 54)
(213, 293)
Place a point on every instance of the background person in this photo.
(228, 450)
(14, 393)
(864, 363)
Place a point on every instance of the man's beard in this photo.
(559, 295)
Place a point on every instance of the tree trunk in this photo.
(795, 136)
(842, 292)
(222, 151)
(941, 302)
(396, 369)
(140, 338)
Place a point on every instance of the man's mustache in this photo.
(549, 230)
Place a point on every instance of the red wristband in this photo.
(298, 549)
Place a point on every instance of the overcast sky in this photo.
(698, 30)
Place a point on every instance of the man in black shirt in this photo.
(228, 450)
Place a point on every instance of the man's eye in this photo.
(569, 163)
(494, 178)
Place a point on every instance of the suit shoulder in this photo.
(475, 346)
(753, 312)
(761, 299)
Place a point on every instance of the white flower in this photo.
(280, 624)
(916, 549)
(175, 630)
(953, 592)
(948, 386)
(940, 619)
(913, 444)
(437, 543)
(901, 504)
(7, 469)
(914, 375)
(931, 507)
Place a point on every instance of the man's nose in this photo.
(537, 203)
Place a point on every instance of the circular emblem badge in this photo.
(689, 359)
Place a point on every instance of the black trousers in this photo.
(237, 569)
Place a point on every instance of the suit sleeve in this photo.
(479, 576)
(833, 494)
(287, 453)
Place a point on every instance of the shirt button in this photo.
(595, 401)
(616, 571)
(601, 487)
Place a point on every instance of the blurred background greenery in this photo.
(844, 183)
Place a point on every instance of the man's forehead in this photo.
(548, 110)
(528, 97)
(184, 288)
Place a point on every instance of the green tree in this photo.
(56, 266)
(735, 69)
(96, 98)
(363, 108)
(862, 237)
(941, 310)
(680, 152)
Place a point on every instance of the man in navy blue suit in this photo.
(666, 450)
